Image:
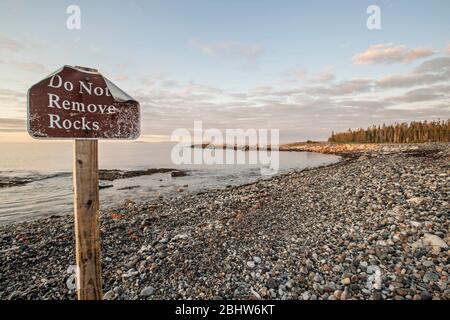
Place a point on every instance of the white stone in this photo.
(417, 245)
(257, 259)
(256, 294)
(306, 296)
(416, 200)
(416, 224)
(374, 280)
(434, 241)
(148, 291)
(180, 236)
(110, 295)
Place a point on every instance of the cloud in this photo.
(121, 77)
(13, 101)
(326, 75)
(298, 74)
(12, 125)
(229, 50)
(361, 104)
(408, 80)
(10, 44)
(170, 83)
(302, 110)
(338, 106)
(309, 110)
(438, 65)
(261, 90)
(33, 67)
(239, 95)
(200, 88)
(428, 73)
(30, 66)
(159, 78)
(389, 53)
(11, 94)
(345, 87)
(148, 82)
(295, 75)
(426, 94)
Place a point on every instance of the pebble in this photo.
(346, 294)
(434, 241)
(430, 277)
(370, 229)
(428, 264)
(306, 296)
(110, 295)
(337, 294)
(148, 291)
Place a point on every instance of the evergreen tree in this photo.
(414, 132)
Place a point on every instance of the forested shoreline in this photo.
(414, 132)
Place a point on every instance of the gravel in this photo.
(365, 228)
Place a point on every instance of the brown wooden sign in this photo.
(79, 103)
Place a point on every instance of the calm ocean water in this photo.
(50, 164)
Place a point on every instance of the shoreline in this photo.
(354, 150)
(319, 233)
(344, 150)
(105, 175)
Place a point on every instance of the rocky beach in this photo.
(373, 226)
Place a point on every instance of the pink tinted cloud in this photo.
(389, 53)
(10, 44)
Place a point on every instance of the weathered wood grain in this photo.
(87, 228)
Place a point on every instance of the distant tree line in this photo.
(414, 132)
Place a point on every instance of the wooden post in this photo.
(87, 224)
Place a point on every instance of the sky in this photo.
(303, 67)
